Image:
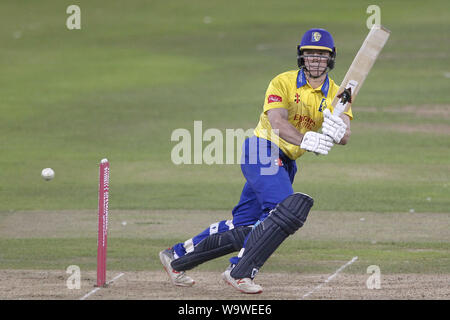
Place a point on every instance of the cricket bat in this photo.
(359, 69)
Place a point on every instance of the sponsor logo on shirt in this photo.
(303, 121)
(274, 98)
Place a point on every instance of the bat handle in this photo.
(345, 97)
(339, 109)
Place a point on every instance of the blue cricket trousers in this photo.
(269, 175)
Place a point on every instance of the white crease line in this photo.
(92, 292)
(98, 288)
(331, 277)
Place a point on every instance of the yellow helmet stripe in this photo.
(316, 47)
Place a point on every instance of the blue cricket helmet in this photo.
(320, 39)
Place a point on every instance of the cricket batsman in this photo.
(297, 105)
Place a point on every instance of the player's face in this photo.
(316, 61)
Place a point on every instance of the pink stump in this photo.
(103, 200)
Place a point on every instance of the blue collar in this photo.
(301, 81)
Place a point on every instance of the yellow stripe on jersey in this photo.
(305, 105)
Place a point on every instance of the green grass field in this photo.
(138, 70)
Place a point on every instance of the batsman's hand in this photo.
(316, 142)
(333, 126)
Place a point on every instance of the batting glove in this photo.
(333, 126)
(316, 142)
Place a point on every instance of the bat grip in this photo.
(344, 98)
(339, 109)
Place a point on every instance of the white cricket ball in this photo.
(48, 174)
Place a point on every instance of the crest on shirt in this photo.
(297, 98)
(323, 105)
(315, 36)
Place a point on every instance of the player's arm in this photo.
(278, 119)
(310, 141)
